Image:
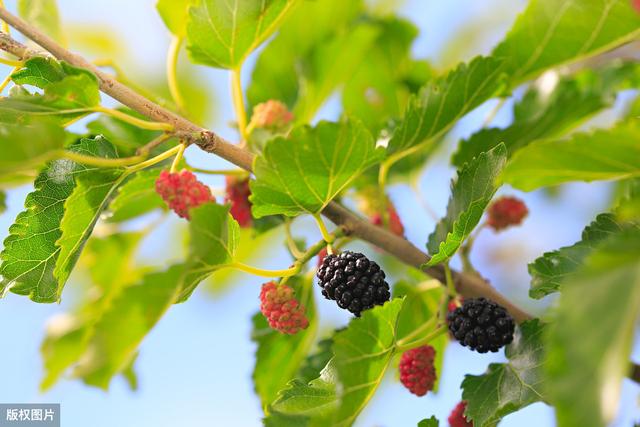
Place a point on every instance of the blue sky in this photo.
(195, 366)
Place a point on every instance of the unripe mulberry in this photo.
(481, 325)
(353, 281)
(417, 372)
(394, 225)
(281, 308)
(182, 191)
(505, 212)
(237, 193)
(272, 115)
(457, 418)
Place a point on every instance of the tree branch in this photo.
(468, 285)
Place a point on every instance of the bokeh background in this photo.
(194, 368)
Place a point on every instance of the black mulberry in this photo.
(353, 281)
(481, 325)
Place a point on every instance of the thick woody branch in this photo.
(468, 285)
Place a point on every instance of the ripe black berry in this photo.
(481, 325)
(353, 281)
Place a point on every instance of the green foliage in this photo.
(273, 370)
(214, 240)
(539, 115)
(43, 244)
(136, 197)
(222, 33)
(126, 137)
(548, 271)
(476, 184)
(306, 170)
(593, 331)
(43, 14)
(174, 13)
(443, 101)
(508, 387)
(554, 162)
(429, 422)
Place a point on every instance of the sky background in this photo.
(195, 366)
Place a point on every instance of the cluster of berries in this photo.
(281, 308)
(182, 191)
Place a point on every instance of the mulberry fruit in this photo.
(237, 193)
(394, 225)
(272, 115)
(505, 212)
(481, 325)
(457, 418)
(182, 191)
(353, 281)
(417, 372)
(281, 308)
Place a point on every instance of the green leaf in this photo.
(471, 193)
(590, 341)
(83, 208)
(552, 268)
(3, 202)
(125, 323)
(380, 87)
(39, 71)
(136, 197)
(306, 170)
(553, 32)
(43, 244)
(362, 355)
(444, 100)
(540, 115)
(429, 422)
(44, 15)
(272, 371)
(599, 155)
(313, 365)
(67, 336)
(214, 239)
(222, 33)
(508, 387)
(174, 13)
(306, 405)
(28, 145)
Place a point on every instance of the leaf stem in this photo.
(422, 341)
(11, 62)
(323, 229)
(157, 159)
(238, 103)
(7, 79)
(265, 273)
(176, 160)
(228, 172)
(172, 71)
(99, 161)
(451, 288)
(291, 244)
(146, 149)
(143, 124)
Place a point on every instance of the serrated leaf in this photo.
(306, 170)
(362, 355)
(313, 365)
(222, 33)
(123, 326)
(593, 333)
(303, 404)
(599, 155)
(429, 422)
(34, 261)
(174, 14)
(44, 15)
(136, 197)
(539, 115)
(68, 334)
(214, 239)
(553, 32)
(508, 387)
(39, 71)
(443, 101)
(272, 371)
(552, 268)
(471, 193)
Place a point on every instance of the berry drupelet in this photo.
(182, 191)
(353, 281)
(417, 372)
(281, 308)
(237, 193)
(481, 325)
